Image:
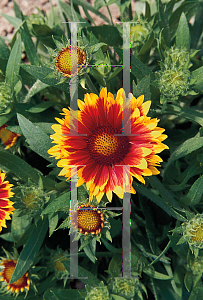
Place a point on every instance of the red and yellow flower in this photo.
(8, 269)
(107, 160)
(6, 206)
(88, 219)
(63, 60)
(8, 137)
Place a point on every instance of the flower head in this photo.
(56, 263)
(30, 199)
(88, 219)
(174, 76)
(125, 287)
(99, 292)
(6, 206)
(140, 32)
(8, 137)
(63, 60)
(8, 269)
(103, 155)
(192, 233)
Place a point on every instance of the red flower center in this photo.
(105, 147)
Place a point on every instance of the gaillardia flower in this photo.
(103, 155)
(8, 269)
(192, 233)
(8, 137)
(87, 219)
(6, 206)
(55, 263)
(63, 60)
(99, 292)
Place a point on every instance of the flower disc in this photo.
(89, 219)
(63, 60)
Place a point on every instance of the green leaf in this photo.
(5, 118)
(166, 195)
(185, 148)
(96, 47)
(53, 221)
(16, 22)
(4, 50)
(163, 16)
(115, 72)
(158, 200)
(138, 69)
(147, 46)
(42, 30)
(116, 297)
(88, 277)
(188, 280)
(29, 48)
(188, 113)
(197, 75)
(40, 107)
(58, 294)
(107, 34)
(196, 29)
(13, 65)
(19, 224)
(22, 169)
(91, 8)
(188, 7)
(183, 34)
(41, 74)
(73, 15)
(115, 265)
(110, 247)
(195, 193)
(154, 274)
(36, 88)
(90, 84)
(49, 295)
(37, 139)
(88, 251)
(161, 254)
(30, 250)
(62, 201)
(142, 88)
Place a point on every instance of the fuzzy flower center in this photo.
(197, 234)
(63, 60)
(105, 147)
(89, 220)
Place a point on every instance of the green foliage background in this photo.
(37, 94)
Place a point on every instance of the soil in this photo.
(29, 6)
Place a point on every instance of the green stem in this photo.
(109, 12)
